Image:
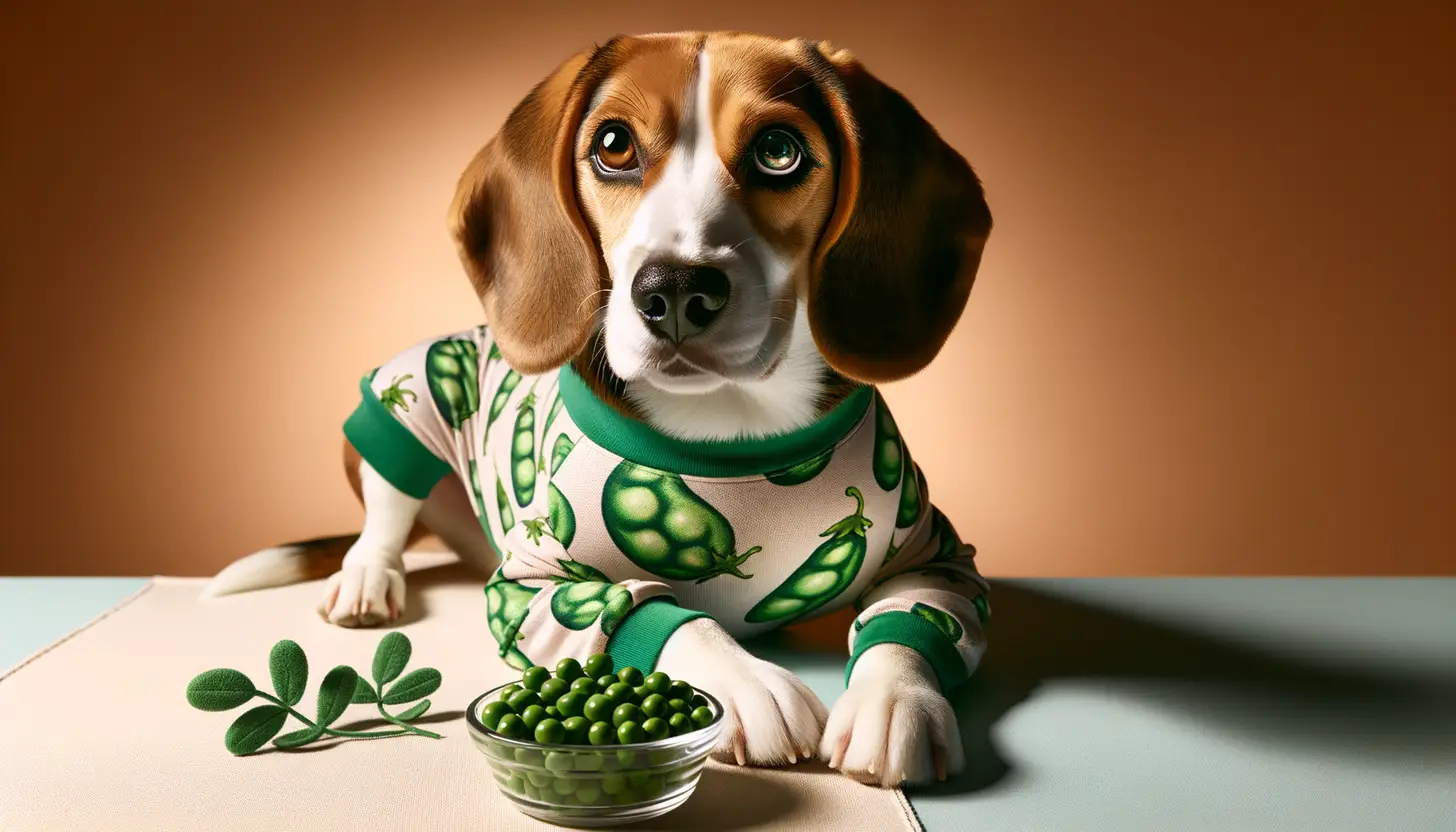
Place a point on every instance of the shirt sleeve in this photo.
(411, 424)
(927, 596)
(541, 603)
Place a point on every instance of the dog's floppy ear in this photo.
(895, 263)
(520, 232)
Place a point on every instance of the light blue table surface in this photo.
(1119, 704)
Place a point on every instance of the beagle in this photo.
(697, 253)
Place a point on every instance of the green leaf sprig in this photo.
(222, 689)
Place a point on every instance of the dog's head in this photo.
(687, 197)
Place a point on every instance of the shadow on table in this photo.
(1264, 694)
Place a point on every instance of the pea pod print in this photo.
(825, 575)
(802, 472)
(508, 517)
(663, 527)
(562, 517)
(506, 605)
(948, 543)
(912, 494)
(943, 621)
(888, 463)
(576, 606)
(983, 608)
(546, 429)
(502, 395)
(559, 451)
(578, 572)
(523, 451)
(479, 502)
(395, 396)
(453, 379)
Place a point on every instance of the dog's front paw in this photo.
(365, 593)
(770, 717)
(893, 726)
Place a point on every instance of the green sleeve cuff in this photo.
(389, 447)
(919, 635)
(640, 637)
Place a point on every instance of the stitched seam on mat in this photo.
(79, 630)
(909, 809)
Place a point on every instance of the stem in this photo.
(330, 731)
(391, 719)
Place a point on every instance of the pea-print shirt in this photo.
(612, 534)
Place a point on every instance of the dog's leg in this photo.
(919, 634)
(369, 588)
(772, 717)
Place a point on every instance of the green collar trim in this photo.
(637, 441)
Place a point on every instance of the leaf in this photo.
(219, 689)
(415, 685)
(415, 711)
(289, 668)
(363, 692)
(255, 727)
(390, 658)
(335, 693)
(303, 736)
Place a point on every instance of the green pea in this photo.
(491, 714)
(590, 761)
(630, 675)
(529, 757)
(626, 797)
(678, 706)
(535, 677)
(630, 732)
(702, 717)
(523, 699)
(568, 670)
(558, 761)
(698, 701)
(614, 783)
(626, 759)
(680, 690)
(576, 728)
(511, 726)
(654, 728)
(550, 732)
(619, 693)
(598, 708)
(589, 794)
(601, 733)
(505, 694)
(653, 788)
(531, 792)
(515, 783)
(661, 758)
(679, 724)
(626, 713)
(605, 681)
(563, 786)
(658, 682)
(533, 716)
(639, 779)
(598, 664)
(585, 685)
(571, 704)
(539, 779)
(639, 693)
(552, 690)
(654, 705)
(552, 712)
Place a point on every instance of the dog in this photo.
(697, 253)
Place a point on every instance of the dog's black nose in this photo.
(678, 302)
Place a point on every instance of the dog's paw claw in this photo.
(363, 596)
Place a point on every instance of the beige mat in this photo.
(96, 733)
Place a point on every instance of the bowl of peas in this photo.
(590, 745)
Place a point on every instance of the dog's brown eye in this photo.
(614, 149)
(777, 153)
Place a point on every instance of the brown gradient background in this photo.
(1213, 332)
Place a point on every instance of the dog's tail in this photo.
(290, 563)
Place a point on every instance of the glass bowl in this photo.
(595, 786)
